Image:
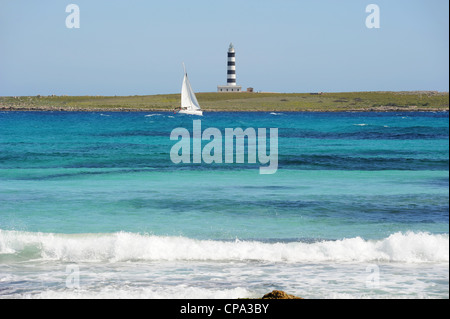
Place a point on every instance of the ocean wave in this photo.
(407, 247)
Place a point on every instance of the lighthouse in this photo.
(231, 70)
(231, 74)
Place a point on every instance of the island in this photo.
(432, 101)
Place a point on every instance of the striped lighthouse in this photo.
(231, 73)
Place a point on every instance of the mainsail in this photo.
(188, 99)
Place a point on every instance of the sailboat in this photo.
(189, 103)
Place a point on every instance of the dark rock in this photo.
(278, 294)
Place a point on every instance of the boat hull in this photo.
(199, 113)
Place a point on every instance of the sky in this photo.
(137, 47)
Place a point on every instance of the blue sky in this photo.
(137, 47)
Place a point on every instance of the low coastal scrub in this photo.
(250, 102)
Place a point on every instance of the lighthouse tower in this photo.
(231, 74)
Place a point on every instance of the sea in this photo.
(93, 206)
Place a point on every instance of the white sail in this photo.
(188, 98)
(189, 103)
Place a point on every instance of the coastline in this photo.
(118, 110)
(417, 101)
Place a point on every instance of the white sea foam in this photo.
(151, 115)
(117, 247)
(177, 292)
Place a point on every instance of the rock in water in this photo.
(278, 294)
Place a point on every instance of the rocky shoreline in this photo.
(120, 109)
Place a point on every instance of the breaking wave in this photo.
(122, 246)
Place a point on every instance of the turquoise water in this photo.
(99, 190)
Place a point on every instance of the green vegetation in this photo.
(272, 102)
